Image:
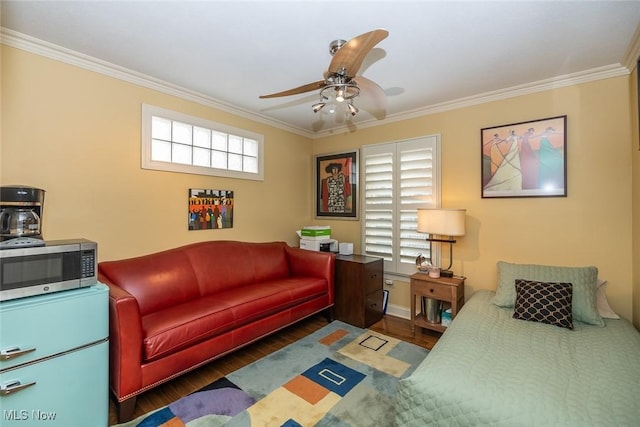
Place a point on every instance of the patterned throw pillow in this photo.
(544, 302)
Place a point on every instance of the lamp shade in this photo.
(444, 222)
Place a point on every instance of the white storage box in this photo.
(315, 245)
(346, 248)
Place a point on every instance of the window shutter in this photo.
(378, 203)
(416, 173)
(398, 178)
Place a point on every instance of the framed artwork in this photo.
(210, 209)
(337, 185)
(527, 159)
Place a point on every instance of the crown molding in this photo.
(52, 51)
(600, 73)
(49, 50)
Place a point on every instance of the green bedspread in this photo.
(490, 369)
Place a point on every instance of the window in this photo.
(177, 142)
(399, 178)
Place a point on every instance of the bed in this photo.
(491, 369)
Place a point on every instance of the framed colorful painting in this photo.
(210, 209)
(526, 159)
(337, 185)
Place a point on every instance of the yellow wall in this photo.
(592, 226)
(76, 134)
(635, 156)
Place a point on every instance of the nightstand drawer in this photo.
(438, 291)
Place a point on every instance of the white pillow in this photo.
(604, 309)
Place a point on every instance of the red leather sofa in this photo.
(173, 311)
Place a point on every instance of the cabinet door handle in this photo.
(13, 387)
(10, 353)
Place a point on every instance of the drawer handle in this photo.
(13, 386)
(12, 352)
(431, 290)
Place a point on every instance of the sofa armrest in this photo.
(307, 263)
(125, 341)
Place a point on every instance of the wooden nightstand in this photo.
(446, 289)
(358, 289)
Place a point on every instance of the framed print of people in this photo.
(210, 209)
(336, 185)
(527, 159)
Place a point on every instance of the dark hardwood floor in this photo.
(188, 383)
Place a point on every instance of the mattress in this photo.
(489, 369)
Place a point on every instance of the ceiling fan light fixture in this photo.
(339, 84)
(318, 106)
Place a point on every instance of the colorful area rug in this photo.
(339, 375)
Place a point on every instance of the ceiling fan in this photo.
(341, 82)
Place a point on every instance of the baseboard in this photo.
(398, 311)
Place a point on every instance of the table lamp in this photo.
(444, 223)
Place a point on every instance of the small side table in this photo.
(446, 289)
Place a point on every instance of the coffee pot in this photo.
(17, 222)
(21, 209)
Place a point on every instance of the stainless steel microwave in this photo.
(58, 265)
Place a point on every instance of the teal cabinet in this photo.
(54, 359)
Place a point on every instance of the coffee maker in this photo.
(21, 210)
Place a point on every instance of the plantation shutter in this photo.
(378, 202)
(399, 178)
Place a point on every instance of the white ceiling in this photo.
(438, 53)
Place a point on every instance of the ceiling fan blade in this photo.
(373, 96)
(300, 89)
(348, 59)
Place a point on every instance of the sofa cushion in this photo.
(175, 328)
(178, 327)
(157, 281)
(259, 300)
(222, 265)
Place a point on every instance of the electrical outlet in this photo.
(388, 282)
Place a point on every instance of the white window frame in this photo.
(149, 111)
(393, 267)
